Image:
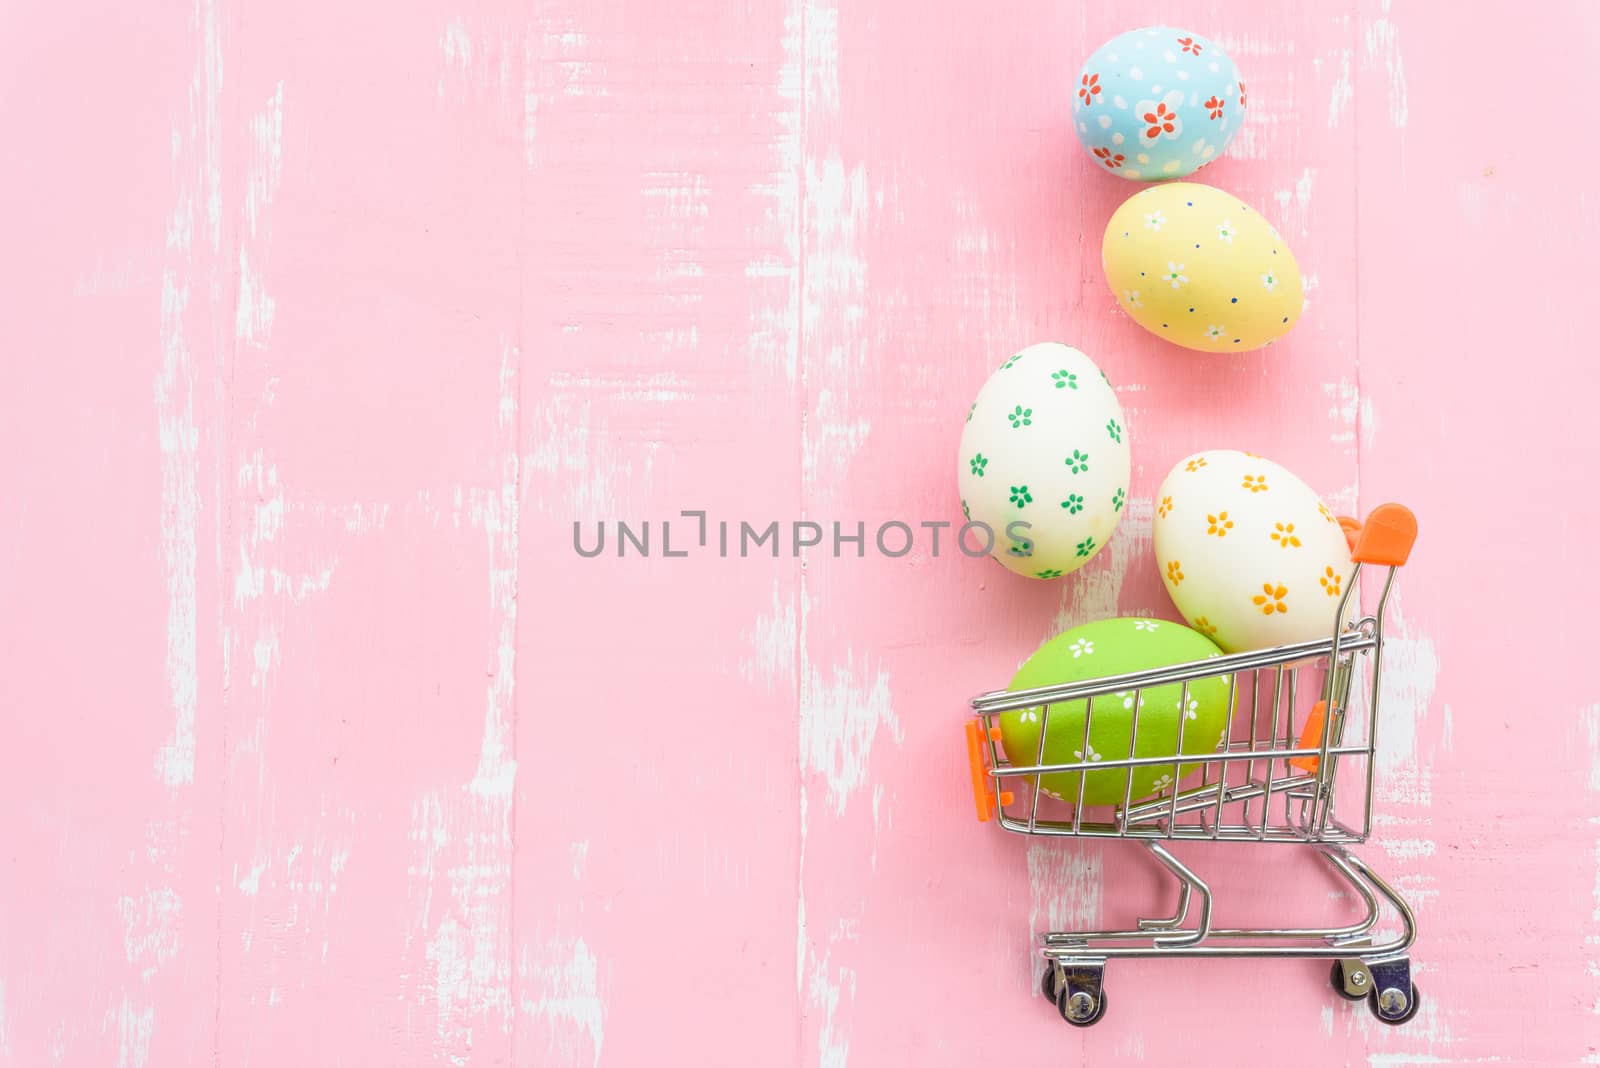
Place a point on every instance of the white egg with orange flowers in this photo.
(1250, 555)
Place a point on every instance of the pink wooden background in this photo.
(322, 323)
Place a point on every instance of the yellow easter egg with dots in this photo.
(1202, 269)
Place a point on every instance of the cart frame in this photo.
(1334, 733)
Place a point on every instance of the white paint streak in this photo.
(256, 308)
(264, 171)
(255, 576)
(771, 640)
(580, 860)
(984, 264)
(564, 990)
(834, 308)
(464, 848)
(1342, 91)
(456, 976)
(1095, 592)
(828, 987)
(180, 505)
(1383, 47)
(681, 201)
(567, 441)
(250, 885)
(833, 298)
(457, 46)
(554, 65)
(1590, 719)
(263, 175)
(197, 164)
(1294, 206)
(1344, 407)
(1410, 671)
(1065, 890)
(150, 928)
(133, 1029)
(663, 387)
(475, 65)
(840, 716)
(152, 923)
(498, 515)
(1131, 1047)
(466, 836)
(774, 342)
(843, 707)
(1407, 848)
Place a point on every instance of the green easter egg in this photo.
(1117, 647)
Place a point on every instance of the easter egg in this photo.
(1197, 267)
(1249, 554)
(1117, 647)
(1157, 103)
(1044, 463)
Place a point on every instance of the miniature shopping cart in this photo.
(1295, 765)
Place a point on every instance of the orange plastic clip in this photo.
(1311, 738)
(1385, 538)
(982, 795)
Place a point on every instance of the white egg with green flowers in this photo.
(1044, 462)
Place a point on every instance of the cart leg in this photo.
(1188, 881)
(1381, 975)
(1176, 919)
(1390, 894)
(1352, 932)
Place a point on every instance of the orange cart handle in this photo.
(1385, 538)
(982, 796)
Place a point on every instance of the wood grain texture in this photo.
(323, 325)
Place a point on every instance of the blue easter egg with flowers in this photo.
(1157, 103)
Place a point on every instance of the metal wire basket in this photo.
(1295, 765)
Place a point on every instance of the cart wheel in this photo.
(1081, 1009)
(1048, 985)
(1399, 1013)
(1336, 977)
